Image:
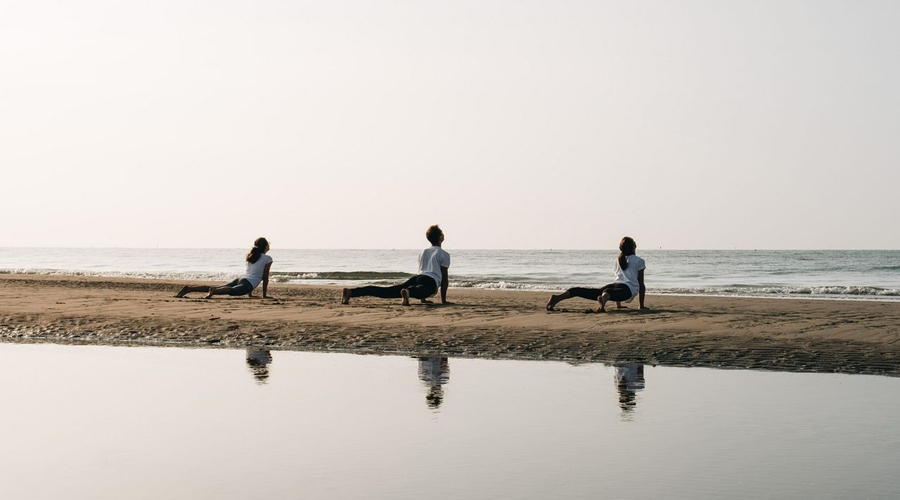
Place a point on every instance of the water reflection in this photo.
(434, 371)
(349, 426)
(258, 360)
(629, 380)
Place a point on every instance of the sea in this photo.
(817, 274)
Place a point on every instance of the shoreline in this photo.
(781, 292)
(801, 335)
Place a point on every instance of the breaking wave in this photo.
(852, 291)
(493, 282)
(372, 276)
(766, 291)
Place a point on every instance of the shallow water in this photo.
(118, 422)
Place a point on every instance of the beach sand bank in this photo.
(723, 332)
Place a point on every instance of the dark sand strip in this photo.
(770, 334)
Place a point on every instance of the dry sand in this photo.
(773, 334)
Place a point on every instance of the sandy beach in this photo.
(772, 334)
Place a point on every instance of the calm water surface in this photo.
(115, 422)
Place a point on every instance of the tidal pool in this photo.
(97, 422)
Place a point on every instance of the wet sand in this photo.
(724, 332)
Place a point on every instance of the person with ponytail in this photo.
(258, 265)
(628, 282)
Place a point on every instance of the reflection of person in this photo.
(628, 283)
(258, 360)
(433, 265)
(258, 265)
(434, 372)
(629, 380)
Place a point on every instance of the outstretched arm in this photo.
(445, 282)
(266, 281)
(643, 289)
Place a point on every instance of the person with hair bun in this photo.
(433, 265)
(258, 265)
(628, 282)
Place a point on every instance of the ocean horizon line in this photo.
(14, 247)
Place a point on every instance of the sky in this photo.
(513, 124)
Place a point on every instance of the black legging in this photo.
(238, 287)
(420, 287)
(617, 292)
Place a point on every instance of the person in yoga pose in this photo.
(433, 265)
(258, 265)
(628, 282)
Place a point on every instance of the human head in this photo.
(434, 235)
(260, 246)
(627, 246)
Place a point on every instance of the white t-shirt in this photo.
(630, 276)
(431, 260)
(259, 357)
(632, 375)
(255, 270)
(434, 371)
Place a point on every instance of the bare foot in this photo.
(182, 292)
(552, 302)
(345, 296)
(405, 294)
(602, 300)
(620, 306)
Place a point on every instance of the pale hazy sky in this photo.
(513, 124)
